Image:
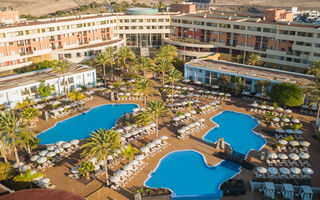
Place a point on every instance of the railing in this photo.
(189, 40)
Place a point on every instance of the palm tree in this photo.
(102, 60)
(254, 59)
(28, 176)
(143, 64)
(163, 65)
(143, 118)
(315, 69)
(101, 144)
(86, 168)
(76, 96)
(12, 128)
(6, 170)
(29, 143)
(111, 57)
(61, 68)
(261, 86)
(314, 95)
(3, 147)
(129, 152)
(145, 87)
(124, 54)
(29, 114)
(106, 57)
(157, 109)
(173, 76)
(168, 52)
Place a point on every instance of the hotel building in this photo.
(77, 38)
(16, 88)
(282, 44)
(207, 71)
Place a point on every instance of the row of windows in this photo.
(57, 28)
(250, 28)
(142, 27)
(142, 20)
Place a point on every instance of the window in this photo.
(88, 74)
(71, 80)
(33, 89)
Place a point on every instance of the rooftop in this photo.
(40, 194)
(249, 70)
(100, 44)
(251, 18)
(18, 80)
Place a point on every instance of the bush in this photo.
(287, 94)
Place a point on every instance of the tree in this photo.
(254, 59)
(238, 85)
(13, 130)
(61, 68)
(124, 55)
(287, 94)
(315, 69)
(3, 146)
(143, 64)
(314, 95)
(29, 114)
(76, 96)
(261, 86)
(28, 176)
(45, 90)
(224, 83)
(86, 168)
(163, 65)
(30, 143)
(129, 152)
(6, 171)
(145, 87)
(173, 76)
(168, 52)
(111, 58)
(157, 110)
(104, 58)
(143, 118)
(101, 144)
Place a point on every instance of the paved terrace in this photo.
(18, 80)
(95, 191)
(253, 71)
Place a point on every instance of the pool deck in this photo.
(195, 142)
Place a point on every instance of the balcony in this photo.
(188, 42)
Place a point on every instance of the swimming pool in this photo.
(237, 130)
(190, 177)
(80, 126)
(186, 173)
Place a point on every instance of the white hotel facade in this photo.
(16, 88)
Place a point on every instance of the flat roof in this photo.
(250, 18)
(41, 194)
(52, 20)
(94, 45)
(28, 78)
(253, 71)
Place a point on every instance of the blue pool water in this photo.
(236, 129)
(80, 126)
(186, 173)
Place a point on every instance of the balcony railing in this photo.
(189, 40)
